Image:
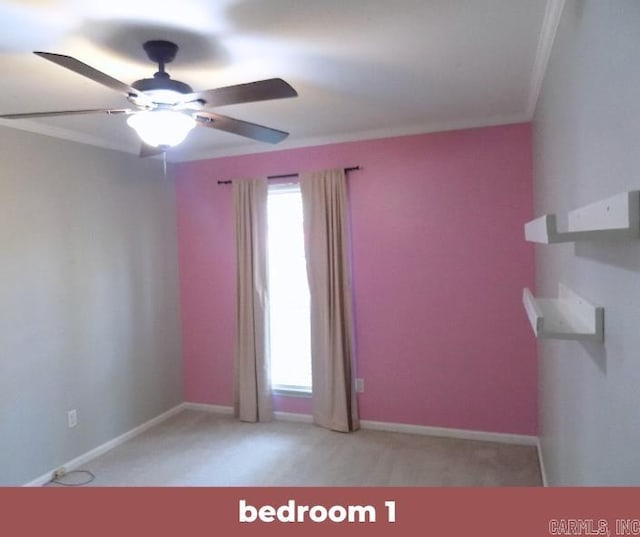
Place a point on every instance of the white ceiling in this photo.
(362, 68)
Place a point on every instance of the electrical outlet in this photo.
(359, 385)
(72, 418)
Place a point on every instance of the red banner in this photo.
(200, 512)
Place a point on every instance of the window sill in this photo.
(291, 392)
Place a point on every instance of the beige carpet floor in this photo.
(197, 448)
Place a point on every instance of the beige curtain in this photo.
(324, 199)
(252, 385)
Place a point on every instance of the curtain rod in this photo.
(286, 175)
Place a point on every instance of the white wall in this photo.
(587, 147)
(88, 299)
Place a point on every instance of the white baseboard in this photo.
(222, 409)
(292, 416)
(206, 407)
(543, 470)
(302, 418)
(96, 452)
(464, 434)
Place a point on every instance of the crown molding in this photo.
(188, 156)
(552, 14)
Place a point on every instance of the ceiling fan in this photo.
(165, 110)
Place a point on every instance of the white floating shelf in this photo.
(617, 217)
(567, 317)
(544, 229)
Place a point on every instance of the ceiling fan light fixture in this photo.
(161, 128)
(163, 96)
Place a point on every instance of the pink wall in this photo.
(439, 263)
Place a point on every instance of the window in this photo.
(289, 315)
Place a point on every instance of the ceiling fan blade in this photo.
(87, 71)
(147, 150)
(262, 90)
(242, 128)
(111, 112)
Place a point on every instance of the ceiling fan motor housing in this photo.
(161, 52)
(161, 81)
